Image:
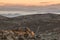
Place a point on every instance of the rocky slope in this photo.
(43, 21)
(43, 27)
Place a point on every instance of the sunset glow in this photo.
(29, 2)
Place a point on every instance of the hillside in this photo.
(45, 22)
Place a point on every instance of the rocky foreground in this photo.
(27, 34)
(19, 34)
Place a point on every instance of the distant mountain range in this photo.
(49, 8)
(45, 22)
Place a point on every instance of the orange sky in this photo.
(28, 2)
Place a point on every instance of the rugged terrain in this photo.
(43, 21)
(44, 26)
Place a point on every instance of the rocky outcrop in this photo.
(19, 34)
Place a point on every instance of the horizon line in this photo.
(26, 5)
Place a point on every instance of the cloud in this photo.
(44, 2)
(1, 4)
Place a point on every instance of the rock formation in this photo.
(19, 34)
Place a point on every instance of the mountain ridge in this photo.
(53, 7)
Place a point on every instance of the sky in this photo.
(28, 2)
(19, 5)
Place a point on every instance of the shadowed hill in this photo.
(43, 21)
(3, 18)
(5, 23)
